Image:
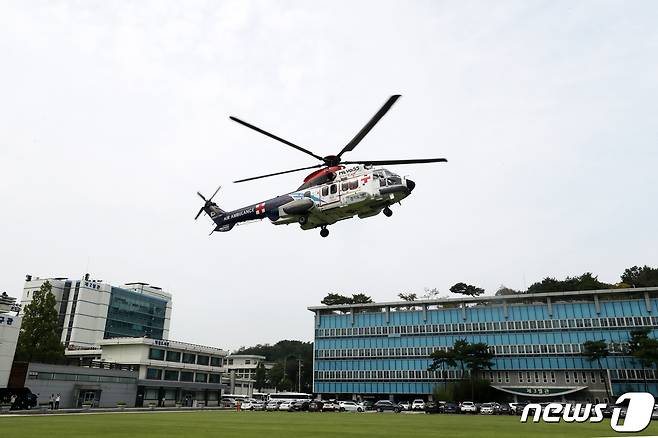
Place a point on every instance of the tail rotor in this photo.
(207, 202)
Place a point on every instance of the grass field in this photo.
(290, 425)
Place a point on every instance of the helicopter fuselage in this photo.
(360, 191)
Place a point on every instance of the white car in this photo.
(349, 406)
(468, 406)
(272, 406)
(285, 406)
(247, 405)
(404, 405)
(418, 405)
(487, 408)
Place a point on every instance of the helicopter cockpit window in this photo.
(343, 187)
(307, 194)
(325, 191)
(354, 184)
(334, 189)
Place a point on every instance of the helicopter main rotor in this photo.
(335, 160)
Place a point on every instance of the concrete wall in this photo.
(71, 381)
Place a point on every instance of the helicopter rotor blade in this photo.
(371, 124)
(392, 162)
(279, 173)
(201, 196)
(199, 213)
(286, 142)
(213, 195)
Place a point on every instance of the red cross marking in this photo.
(365, 179)
(260, 208)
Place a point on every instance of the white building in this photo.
(91, 310)
(10, 325)
(177, 372)
(244, 367)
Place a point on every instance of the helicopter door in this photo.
(329, 194)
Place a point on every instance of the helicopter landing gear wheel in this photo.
(324, 232)
(388, 212)
(302, 220)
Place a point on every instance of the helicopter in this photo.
(336, 191)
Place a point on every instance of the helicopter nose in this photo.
(410, 185)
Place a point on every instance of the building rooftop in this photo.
(584, 295)
(166, 343)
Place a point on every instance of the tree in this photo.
(260, 379)
(460, 354)
(407, 296)
(478, 358)
(39, 338)
(640, 277)
(441, 360)
(336, 299)
(279, 353)
(466, 289)
(595, 351)
(644, 349)
(361, 299)
(504, 290)
(586, 281)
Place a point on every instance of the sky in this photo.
(113, 114)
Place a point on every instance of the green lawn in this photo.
(289, 425)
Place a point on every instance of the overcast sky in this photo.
(112, 115)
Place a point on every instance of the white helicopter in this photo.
(330, 194)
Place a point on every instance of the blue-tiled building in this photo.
(381, 350)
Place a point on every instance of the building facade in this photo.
(381, 350)
(91, 310)
(10, 326)
(171, 372)
(243, 368)
(102, 385)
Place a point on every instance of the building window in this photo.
(201, 378)
(215, 378)
(153, 374)
(215, 361)
(186, 376)
(173, 356)
(520, 377)
(156, 354)
(202, 360)
(189, 358)
(171, 375)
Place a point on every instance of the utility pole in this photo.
(299, 375)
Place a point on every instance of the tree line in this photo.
(635, 276)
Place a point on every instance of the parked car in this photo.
(329, 406)
(246, 405)
(349, 406)
(272, 406)
(450, 408)
(432, 407)
(468, 407)
(257, 405)
(24, 398)
(405, 405)
(487, 408)
(386, 405)
(285, 405)
(299, 405)
(418, 405)
(517, 408)
(504, 409)
(367, 405)
(315, 406)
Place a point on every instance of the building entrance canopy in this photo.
(540, 391)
